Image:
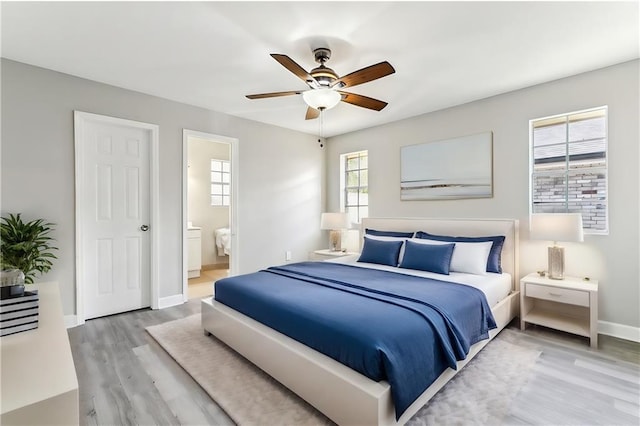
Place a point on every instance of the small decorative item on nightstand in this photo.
(569, 305)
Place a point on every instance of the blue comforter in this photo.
(388, 326)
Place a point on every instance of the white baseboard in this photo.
(70, 321)
(165, 302)
(620, 331)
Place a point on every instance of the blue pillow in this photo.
(428, 257)
(388, 233)
(381, 252)
(494, 262)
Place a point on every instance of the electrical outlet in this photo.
(287, 255)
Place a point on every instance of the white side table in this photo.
(39, 382)
(327, 254)
(569, 305)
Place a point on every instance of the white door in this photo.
(115, 237)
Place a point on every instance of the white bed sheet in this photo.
(494, 286)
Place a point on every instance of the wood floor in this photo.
(113, 357)
(202, 286)
(116, 359)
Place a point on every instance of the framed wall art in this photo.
(454, 168)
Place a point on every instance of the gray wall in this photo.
(280, 179)
(613, 259)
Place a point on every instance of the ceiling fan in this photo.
(324, 84)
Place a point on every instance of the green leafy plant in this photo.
(26, 246)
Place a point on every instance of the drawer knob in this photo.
(555, 294)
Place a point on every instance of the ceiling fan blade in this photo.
(312, 113)
(365, 75)
(274, 94)
(292, 66)
(362, 101)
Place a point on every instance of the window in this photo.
(220, 182)
(569, 166)
(354, 185)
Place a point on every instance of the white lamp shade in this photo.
(556, 227)
(335, 221)
(321, 98)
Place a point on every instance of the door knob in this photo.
(144, 228)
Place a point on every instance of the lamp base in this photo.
(335, 240)
(556, 262)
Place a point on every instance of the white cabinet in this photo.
(569, 305)
(39, 382)
(194, 251)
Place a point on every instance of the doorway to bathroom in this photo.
(209, 211)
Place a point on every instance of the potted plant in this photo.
(25, 246)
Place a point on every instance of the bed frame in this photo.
(342, 394)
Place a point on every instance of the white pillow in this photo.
(467, 257)
(385, 238)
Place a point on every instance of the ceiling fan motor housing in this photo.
(323, 75)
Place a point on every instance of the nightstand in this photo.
(569, 305)
(327, 254)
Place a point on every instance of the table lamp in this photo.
(556, 227)
(335, 223)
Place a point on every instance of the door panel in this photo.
(104, 264)
(116, 188)
(132, 257)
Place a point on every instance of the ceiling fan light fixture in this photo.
(321, 99)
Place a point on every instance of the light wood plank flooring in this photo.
(202, 286)
(113, 356)
(126, 378)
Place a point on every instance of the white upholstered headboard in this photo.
(459, 227)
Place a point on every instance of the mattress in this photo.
(494, 286)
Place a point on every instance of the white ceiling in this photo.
(212, 54)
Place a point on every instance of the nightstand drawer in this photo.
(562, 295)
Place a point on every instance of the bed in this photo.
(343, 394)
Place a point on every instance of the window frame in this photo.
(344, 158)
(567, 172)
(224, 196)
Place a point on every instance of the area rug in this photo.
(480, 394)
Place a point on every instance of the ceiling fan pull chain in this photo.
(321, 128)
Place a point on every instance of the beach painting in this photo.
(455, 168)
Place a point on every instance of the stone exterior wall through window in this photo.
(587, 193)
